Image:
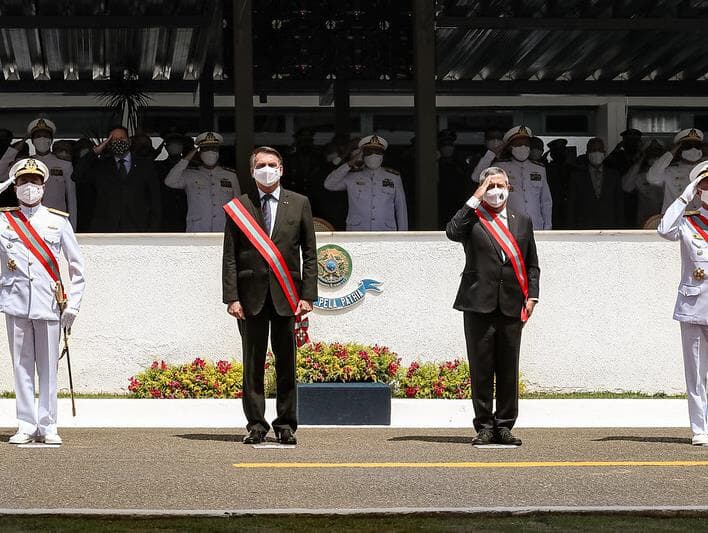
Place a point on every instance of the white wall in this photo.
(603, 323)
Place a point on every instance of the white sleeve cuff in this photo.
(473, 202)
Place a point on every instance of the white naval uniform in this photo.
(531, 194)
(208, 190)
(32, 313)
(673, 177)
(377, 201)
(60, 189)
(691, 309)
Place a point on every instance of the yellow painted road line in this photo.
(531, 464)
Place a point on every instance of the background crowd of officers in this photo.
(120, 185)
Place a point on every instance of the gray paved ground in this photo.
(193, 469)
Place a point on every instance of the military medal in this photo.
(699, 274)
(11, 265)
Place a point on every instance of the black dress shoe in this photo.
(485, 436)
(254, 437)
(286, 436)
(505, 436)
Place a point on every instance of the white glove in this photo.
(6, 184)
(689, 192)
(68, 317)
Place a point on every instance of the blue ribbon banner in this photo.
(342, 302)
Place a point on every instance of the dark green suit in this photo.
(248, 279)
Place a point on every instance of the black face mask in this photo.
(119, 147)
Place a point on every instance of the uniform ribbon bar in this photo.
(501, 234)
(269, 251)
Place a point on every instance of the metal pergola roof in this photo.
(634, 47)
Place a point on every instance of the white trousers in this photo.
(35, 343)
(695, 365)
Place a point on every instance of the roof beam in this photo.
(664, 24)
(103, 22)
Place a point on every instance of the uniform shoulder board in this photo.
(690, 213)
(57, 212)
(9, 209)
(392, 171)
(501, 160)
(538, 163)
(230, 169)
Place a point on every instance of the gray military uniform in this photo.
(208, 190)
(531, 194)
(377, 201)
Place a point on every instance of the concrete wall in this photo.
(603, 323)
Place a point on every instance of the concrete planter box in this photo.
(344, 404)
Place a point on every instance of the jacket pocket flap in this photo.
(689, 290)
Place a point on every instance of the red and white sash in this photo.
(35, 244)
(501, 234)
(700, 224)
(269, 251)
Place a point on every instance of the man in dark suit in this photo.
(493, 302)
(126, 185)
(254, 296)
(595, 195)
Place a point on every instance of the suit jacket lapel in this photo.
(513, 225)
(258, 214)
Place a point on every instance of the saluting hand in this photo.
(191, 154)
(479, 193)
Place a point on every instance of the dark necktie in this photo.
(122, 172)
(265, 209)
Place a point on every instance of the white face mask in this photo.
(536, 154)
(692, 154)
(266, 176)
(493, 144)
(209, 158)
(334, 158)
(29, 193)
(174, 149)
(42, 144)
(521, 153)
(496, 197)
(596, 158)
(373, 161)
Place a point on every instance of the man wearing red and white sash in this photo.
(31, 296)
(691, 310)
(497, 294)
(266, 285)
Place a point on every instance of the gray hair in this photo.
(493, 171)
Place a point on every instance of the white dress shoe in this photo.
(700, 440)
(52, 438)
(21, 438)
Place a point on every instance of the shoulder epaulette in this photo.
(230, 169)
(57, 212)
(392, 171)
(537, 163)
(9, 208)
(690, 213)
(501, 160)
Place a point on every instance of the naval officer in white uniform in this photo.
(671, 171)
(60, 191)
(28, 299)
(377, 201)
(691, 228)
(530, 194)
(208, 187)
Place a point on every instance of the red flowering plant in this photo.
(320, 362)
(198, 379)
